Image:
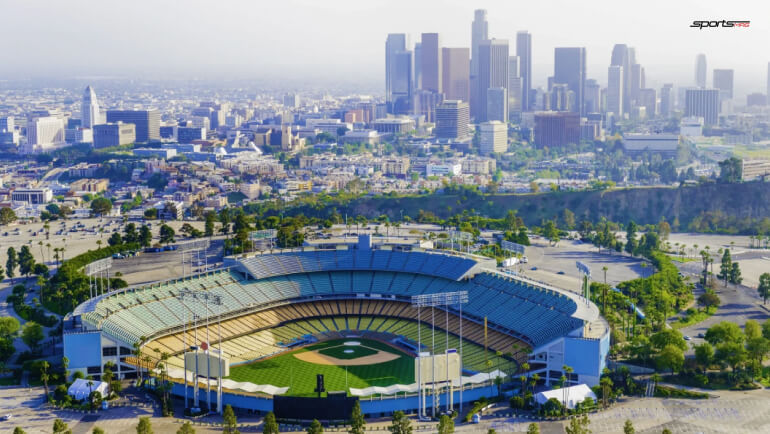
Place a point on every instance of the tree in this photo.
(730, 170)
(668, 337)
(315, 427)
(704, 354)
(144, 426)
(19, 430)
(101, 206)
(7, 216)
(8, 326)
(727, 266)
(631, 242)
(671, 357)
(446, 425)
(44, 377)
(157, 181)
(11, 263)
(533, 428)
(763, 288)
(229, 421)
(151, 213)
(115, 239)
(26, 261)
(628, 427)
(735, 274)
(357, 422)
(131, 236)
(145, 236)
(708, 300)
(211, 218)
(578, 425)
(166, 234)
(569, 219)
(400, 424)
(60, 427)
(551, 232)
(32, 334)
(186, 428)
(270, 426)
(724, 332)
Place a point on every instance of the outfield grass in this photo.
(286, 370)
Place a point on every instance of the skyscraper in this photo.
(497, 104)
(493, 71)
(702, 103)
(514, 87)
(417, 66)
(89, 110)
(402, 86)
(700, 70)
(455, 70)
(592, 96)
(395, 43)
(452, 119)
(147, 122)
(570, 69)
(479, 32)
(615, 94)
(620, 57)
(524, 52)
(636, 84)
(666, 99)
(430, 58)
(649, 100)
(723, 80)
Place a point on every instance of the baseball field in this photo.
(345, 363)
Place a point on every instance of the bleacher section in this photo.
(434, 264)
(535, 314)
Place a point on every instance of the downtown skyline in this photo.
(250, 46)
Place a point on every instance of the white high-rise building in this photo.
(89, 111)
(44, 134)
(493, 137)
(615, 96)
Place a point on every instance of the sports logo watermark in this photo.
(723, 23)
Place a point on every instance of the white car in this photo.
(6, 417)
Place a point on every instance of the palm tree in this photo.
(47, 228)
(604, 269)
(44, 377)
(606, 384)
(42, 256)
(48, 246)
(98, 244)
(567, 371)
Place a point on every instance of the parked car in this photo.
(170, 247)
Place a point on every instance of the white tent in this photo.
(573, 395)
(80, 389)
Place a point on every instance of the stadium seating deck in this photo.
(538, 314)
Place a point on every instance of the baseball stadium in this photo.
(266, 326)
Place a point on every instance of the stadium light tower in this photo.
(445, 299)
(206, 298)
(96, 272)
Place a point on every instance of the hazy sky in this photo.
(343, 39)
